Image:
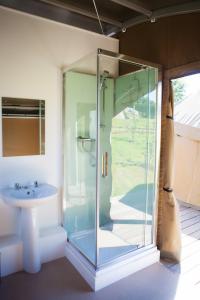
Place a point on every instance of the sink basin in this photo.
(29, 196)
(27, 199)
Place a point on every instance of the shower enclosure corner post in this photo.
(97, 157)
(157, 154)
(63, 131)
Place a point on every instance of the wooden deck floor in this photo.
(189, 268)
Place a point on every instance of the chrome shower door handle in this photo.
(105, 164)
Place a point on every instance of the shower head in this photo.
(103, 77)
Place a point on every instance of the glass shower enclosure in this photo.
(111, 118)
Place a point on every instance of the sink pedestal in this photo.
(30, 237)
(28, 198)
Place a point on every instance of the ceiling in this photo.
(115, 15)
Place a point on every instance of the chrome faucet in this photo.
(19, 186)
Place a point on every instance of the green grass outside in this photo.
(129, 153)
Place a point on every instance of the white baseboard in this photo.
(11, 250)
(52, 246)
(98, 279)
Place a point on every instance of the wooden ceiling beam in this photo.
(81, 11)
(135, 6)
(189, 7)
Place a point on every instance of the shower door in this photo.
(127, 107)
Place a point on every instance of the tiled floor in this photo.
(58, 280)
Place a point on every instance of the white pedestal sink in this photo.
(28, 198)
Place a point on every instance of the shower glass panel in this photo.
(80, 108)
(110, 116)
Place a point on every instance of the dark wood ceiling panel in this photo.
(105, 7)
(41, 9)
(157, 4)
(115, 15)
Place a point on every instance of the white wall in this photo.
(32, 52)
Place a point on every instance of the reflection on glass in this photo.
(23, 127)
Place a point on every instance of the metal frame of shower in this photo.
(143, 64)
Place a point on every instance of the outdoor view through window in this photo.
(187, 138)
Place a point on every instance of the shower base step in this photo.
(106, 275)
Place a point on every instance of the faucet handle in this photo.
(17, 186)
(35, 183)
